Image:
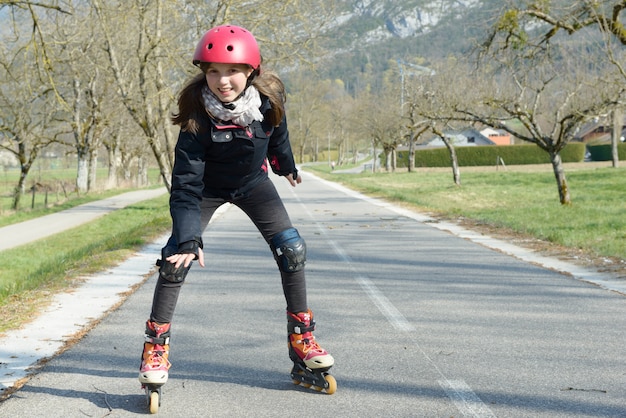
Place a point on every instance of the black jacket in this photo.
(223, 161)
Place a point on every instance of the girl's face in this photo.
(227, 81)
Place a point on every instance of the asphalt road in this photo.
(421, 322)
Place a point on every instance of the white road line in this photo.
(384, 305)
(466, 401)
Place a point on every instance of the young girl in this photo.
(232, 122)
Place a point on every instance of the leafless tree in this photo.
(305, 110)
(538, 24)
(24, 121)
(380, 121)
(78, 84)
(570, 17)
(542, 101)
(432, 102)
(26, 96)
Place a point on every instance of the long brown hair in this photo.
(191, 106)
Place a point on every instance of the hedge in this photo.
(489, 155)
(603, 152)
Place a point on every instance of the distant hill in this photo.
(373, 32)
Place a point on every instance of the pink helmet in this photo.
(228, 44)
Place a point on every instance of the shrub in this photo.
(602, 152)
(490, 155)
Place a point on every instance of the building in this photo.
(498, 137)
(460, 138)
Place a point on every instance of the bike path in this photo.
(421, 322)
(14, 235)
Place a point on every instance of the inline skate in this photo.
(310, 361)
(153, 372)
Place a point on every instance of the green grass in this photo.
(525, 202)
(35, 270)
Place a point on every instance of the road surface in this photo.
(422, 322)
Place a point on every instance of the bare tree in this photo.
(570, 17)
(78, 84)
(432, 106)
(137, 76)
(23, 123)
(305, 105)
(518, 26)
(30, 5)
(26, 96)
(380, 121)
(542, 101)
(454, 161)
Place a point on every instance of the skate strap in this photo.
(158, 340)
(300, 328)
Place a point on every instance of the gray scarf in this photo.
(245, 110)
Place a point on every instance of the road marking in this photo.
(466, 401)
(384, 305)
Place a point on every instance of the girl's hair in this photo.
(191, 105)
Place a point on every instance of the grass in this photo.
(523, 200)
(34, 271)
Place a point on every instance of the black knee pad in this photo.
(289, 250)
(169, 272)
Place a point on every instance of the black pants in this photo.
(266, 210)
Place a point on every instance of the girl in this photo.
(232, 122)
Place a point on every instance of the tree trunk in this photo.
(142, 172)
(618, 123)
(561, 181)
(20, 188)
(454, 161)
(374, 162)
(113, 151)
(162, 161)
(411, 154)
(82, 172)
(93, 170)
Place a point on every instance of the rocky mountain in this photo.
(374, 32)
(376, 21)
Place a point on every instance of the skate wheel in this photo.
(154, 402)
(300, 382)
(332, 384)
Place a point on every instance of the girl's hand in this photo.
(293, 181)
(186, 259)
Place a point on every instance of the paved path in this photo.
(28, 231)
(422, 322)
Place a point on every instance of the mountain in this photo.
(373, 33)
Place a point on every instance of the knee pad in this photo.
(289, 250)
(169, 272)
